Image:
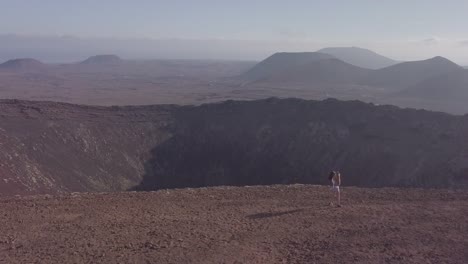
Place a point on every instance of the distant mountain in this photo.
(24, 64)
(280, 62)
(327, 71)
(360, 57)
(103, 59)
(406, 74)
(320, 68)
(448, 87)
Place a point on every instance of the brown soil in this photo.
(277, 224)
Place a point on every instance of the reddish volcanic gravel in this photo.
(276, 224)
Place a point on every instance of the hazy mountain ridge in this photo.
(406, 74)
(451, 86)
(326, 76)
(67, 49)
(324, 71)
(103, 59)
(360, 57)
(289, 66)
(280, 62)
(22, 64)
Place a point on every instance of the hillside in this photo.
(274, 224)
(103, 59)
(360, 57)
(53, 147)
(450, 87)
(280, 62)
(326, 71)
(406, 74)
(25, 64)
(316, 71)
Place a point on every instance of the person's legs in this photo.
(332, 198)
(336, 189)
(338, 194)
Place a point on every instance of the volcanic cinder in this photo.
(275, 224)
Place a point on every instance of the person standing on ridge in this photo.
(335, 179)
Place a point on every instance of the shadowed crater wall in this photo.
(296, 141)
(48, 147)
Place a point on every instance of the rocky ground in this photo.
(276, 224)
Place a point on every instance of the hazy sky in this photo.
(402, 29)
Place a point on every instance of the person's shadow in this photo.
(273, 214)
